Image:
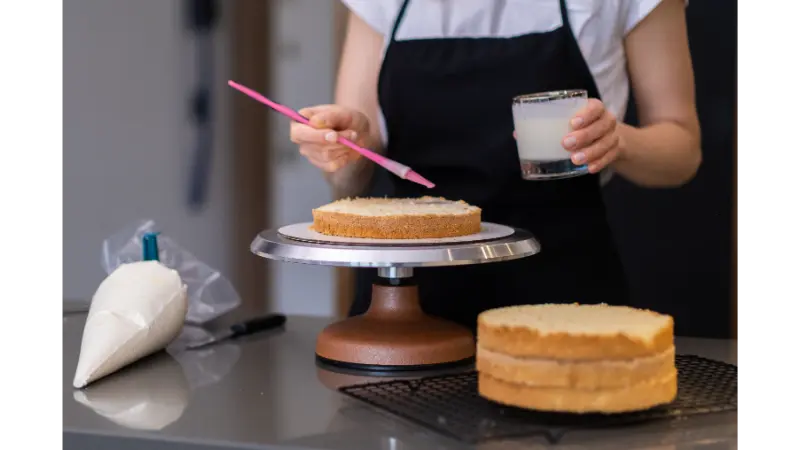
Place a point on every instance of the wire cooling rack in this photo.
(450, 404)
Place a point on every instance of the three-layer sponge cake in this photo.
(576, 358)
(397, 218)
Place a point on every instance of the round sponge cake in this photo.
(575, 332)
(397, 218)
(576, 358)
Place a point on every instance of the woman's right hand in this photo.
(318, 141)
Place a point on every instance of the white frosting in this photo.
(136, 311)
(399, 207)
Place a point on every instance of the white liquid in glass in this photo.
(541, 128)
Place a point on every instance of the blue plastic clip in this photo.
(150, 247)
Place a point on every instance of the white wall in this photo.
(302, 75)
(127, 77)
(128, 72)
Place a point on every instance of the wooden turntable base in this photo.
(395, 335)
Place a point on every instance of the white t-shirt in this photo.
(599, 26)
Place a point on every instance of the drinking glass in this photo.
(542, 122)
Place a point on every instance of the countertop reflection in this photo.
(146, 396)
(267, 391)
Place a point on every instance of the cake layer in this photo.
(574, 374)
(575, 332)
(386, 218)
(636, 397)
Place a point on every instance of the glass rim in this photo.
(541, 97)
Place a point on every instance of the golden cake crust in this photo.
(636, 397)
(402, 226)
(575, 374)
(519, 339)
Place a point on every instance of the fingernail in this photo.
(570, 141)
(579, 157)
(353, 136)
(331, 136)
(576, 122)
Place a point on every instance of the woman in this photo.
(430, 82)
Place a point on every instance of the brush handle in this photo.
(392, 166)
(395, 167)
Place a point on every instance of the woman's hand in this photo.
(318, 141)
(594, 139)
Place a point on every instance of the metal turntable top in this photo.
(514, 244)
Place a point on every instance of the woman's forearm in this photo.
(665, 154)
(665, 150)
(357, 88)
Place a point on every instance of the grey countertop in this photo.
(266, 392)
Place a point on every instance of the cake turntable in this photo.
(394, 334)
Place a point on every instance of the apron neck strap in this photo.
(399, 19)
(564, 14)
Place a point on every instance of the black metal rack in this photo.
(450, 404)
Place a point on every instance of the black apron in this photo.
(447, 105)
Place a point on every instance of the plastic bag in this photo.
(210, 294)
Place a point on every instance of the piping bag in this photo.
(401, 170)
(211, 294)
(136, 311)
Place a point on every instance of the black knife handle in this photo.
(257, 324)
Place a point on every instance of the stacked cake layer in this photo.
(576, 358)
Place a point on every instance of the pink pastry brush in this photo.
(395, 167)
